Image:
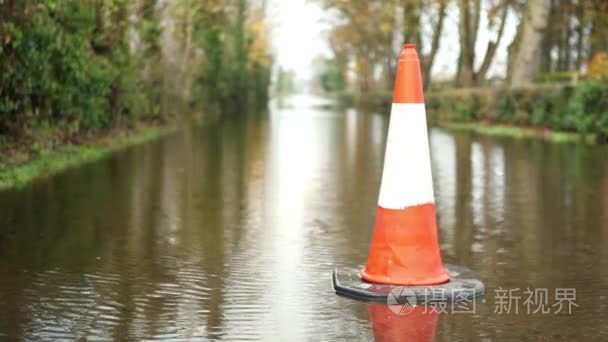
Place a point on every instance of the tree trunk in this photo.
(491, 50)
(567, 48)
(550, 39)
(467, 45)
(599, 28)
(580, 36)
(412, 9)
(527, 58)
(187, 53)
(559, 22)
(364, 72)
(428, 61)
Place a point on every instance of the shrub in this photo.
(598, 67)
(588, 109)
(50, 73)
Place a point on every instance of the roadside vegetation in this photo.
(554, 112)
(76, 71)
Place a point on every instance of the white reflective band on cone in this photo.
(407, 178)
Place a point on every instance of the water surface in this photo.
(231, 231)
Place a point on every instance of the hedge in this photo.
(582, 108)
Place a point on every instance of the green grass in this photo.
(519, 132)
(47, 162)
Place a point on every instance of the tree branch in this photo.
(428, 65)
(491, 50)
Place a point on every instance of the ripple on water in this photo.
(66, 306)
(242, 244)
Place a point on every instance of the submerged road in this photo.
(231, 231)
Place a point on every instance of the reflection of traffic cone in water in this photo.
(405, 248)
(417, 325)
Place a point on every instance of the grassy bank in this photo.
(19, 167)
(518, 132)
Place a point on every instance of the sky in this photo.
(297, 28)
(298, 36)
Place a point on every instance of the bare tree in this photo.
(468, 28)
(413, 26)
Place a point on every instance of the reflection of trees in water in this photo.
(359, 159)
(63, 226)
(188, 231)
(464, 219)
(545, 228)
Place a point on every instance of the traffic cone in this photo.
(405, 248)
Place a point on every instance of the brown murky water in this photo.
(231, 231)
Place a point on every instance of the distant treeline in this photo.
(552, 37)
(557, 62)
(78, 66)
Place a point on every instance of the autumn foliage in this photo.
(598, 67)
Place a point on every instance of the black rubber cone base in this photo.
(464, 285)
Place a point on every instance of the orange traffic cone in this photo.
(405, 249)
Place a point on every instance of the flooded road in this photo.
(231, 231)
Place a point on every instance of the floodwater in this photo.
(231, 231)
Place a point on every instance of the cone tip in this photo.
(409, 46)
